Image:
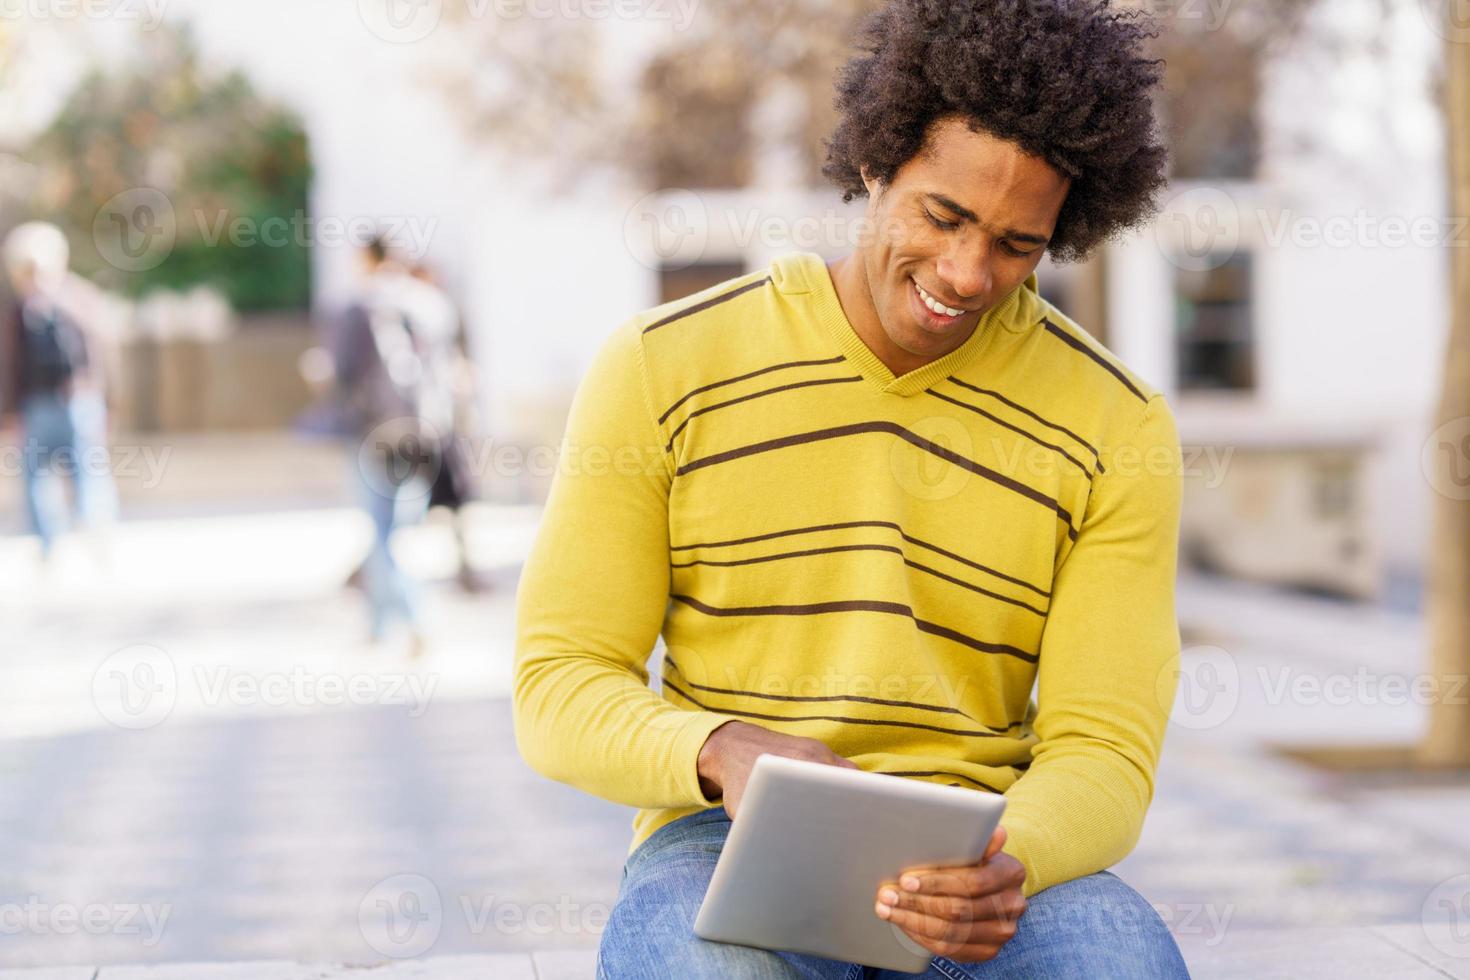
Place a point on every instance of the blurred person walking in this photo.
(54, 385)
(454, 484)
(392, 382)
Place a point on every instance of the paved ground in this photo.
(202, 761)
(1398, 952)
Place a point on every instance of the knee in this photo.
(1100, 921)
(650, 936)
(666, 948)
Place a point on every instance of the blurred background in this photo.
(246, 714)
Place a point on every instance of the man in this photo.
(870, 504)
(54, 384)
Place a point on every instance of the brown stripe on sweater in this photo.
(861, 605)
(743, 377)
(756, 394)
(836, 697)
(861, 547)
(886, 524)
(1014, 428)
(844, 719)
(1112, 369)
(706, 304)
(938, 772)
(892, 428)
(1030, 414)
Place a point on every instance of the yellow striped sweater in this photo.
(889, 565)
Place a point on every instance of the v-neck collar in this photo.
(829, 312)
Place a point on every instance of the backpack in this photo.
(398, 395)
(54, 348)
(399, 378)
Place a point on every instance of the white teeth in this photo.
(935, 305)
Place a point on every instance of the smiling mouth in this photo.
(934, 306)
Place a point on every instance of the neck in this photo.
(856, 298)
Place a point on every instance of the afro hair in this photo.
(1066, 80)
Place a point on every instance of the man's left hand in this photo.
(964, 913)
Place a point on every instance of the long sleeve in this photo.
(592, 599)
(1109, 653)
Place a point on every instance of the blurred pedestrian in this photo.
(394, 387)
(454, 484)
(54, 385)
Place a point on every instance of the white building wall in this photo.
(1140, 309)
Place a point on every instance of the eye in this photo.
(939, 223)
(1013, 250)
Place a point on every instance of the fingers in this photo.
(955, 938)
(998, 906)
(961, 952)
(965, 913)
(996, 874)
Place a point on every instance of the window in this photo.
(1214, 315)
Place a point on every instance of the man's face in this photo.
(963, 223)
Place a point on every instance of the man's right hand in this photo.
(730, 752)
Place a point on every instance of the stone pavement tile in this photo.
(1314, 629)
(566, 964)
(259, 970)
(1441, 813)
(274, 854)
(1445, 946)
(504, 966)
(511, 966)
(1246, 840)
(1305, 954)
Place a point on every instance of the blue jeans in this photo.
(1093, 928)
(66, 436)
(391, 592)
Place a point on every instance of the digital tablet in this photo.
(810, 845)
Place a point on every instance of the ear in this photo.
(873, 184)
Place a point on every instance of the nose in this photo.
(966, 270)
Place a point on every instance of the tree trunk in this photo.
(1447, 742)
